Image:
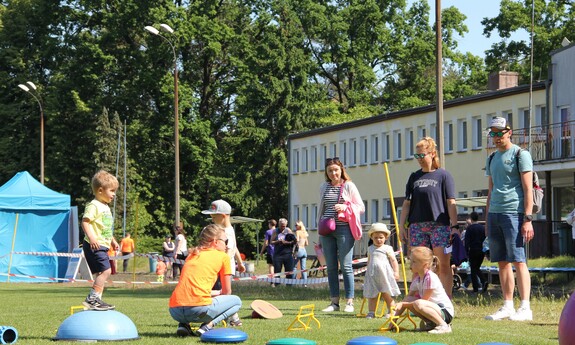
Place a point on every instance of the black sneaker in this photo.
(184, 330)
(203, 329)
(95, 303)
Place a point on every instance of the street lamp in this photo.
(31, 89)
(156, 32)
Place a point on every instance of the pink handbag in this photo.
(326, 226)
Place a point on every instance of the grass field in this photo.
(37, 310)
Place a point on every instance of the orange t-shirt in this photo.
(199, 275)
(160, 268)
(127, 245)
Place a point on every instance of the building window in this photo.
(374, 210)
(343, 152)
(374, 148)
(462, 135)
(353, 152)
(386, 208)
(509, 116)
(305, 160)
(313, 220)
(409, 143)
(364, 216)
(462, 210)
(332, 150)
(385, 150)
(304, 215)
(448, 134)
(363, 150)
(477, 133)
(295, 161)
(421, 132)
(397, 145)
(313, 158)
(295, 214)
(322, 156)
(541, 115)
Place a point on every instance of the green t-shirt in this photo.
(101, 221)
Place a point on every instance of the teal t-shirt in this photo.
(507, 193)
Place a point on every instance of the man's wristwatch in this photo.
(528, 217)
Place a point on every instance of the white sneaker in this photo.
(331, 308)
(522, 314)
(348, 308)
(441, 329)
(502, 313)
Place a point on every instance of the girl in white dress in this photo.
(382, 270)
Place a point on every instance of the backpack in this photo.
(537, 190)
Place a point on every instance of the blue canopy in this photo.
(33, 218)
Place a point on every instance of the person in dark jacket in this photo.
(474, 237)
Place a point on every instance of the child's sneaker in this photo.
(330, 308)
(235, 321)
(203, 329)
(426, 326)
(184, 330)
(522, 314)
(441, 329)
(95, 303)
(370, 315)
(502, 313)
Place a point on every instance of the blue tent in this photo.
(33, 218)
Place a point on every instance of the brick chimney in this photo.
(502, 80)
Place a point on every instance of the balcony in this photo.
(549, 143)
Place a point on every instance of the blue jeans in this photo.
(302, 258)
(506, 242)
(338, 246)
(222, 307)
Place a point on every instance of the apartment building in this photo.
(368, 146)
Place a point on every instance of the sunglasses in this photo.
(329, 161)
(420, 155)
(497, 134)
(225, 241)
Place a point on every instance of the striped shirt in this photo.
(330, 198)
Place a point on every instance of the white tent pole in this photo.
(125, 177)
(116, 174)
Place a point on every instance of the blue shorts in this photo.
(506, 242)
(98, 260)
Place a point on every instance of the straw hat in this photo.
(378, 227)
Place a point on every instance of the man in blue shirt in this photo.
(509, 216)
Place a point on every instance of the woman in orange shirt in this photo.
(191, 300)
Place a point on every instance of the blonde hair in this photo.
(103, 179)
(207, 235)
(301, 226)
(429, 144)
(425, 255)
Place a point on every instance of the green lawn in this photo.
(37, 310)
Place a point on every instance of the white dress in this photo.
(379, 276)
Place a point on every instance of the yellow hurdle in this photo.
(309, 315)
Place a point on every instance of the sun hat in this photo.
(378, 227)
(499, 123)
(219, 207)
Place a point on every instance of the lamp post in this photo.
(31, 89)
(156, 32)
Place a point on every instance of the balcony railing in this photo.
(548, 143)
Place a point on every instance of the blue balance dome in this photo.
(97, 325)
(224, 335)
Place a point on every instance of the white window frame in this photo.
(352, 152)
(385, 149)
(305, 160)
(295, 161)
(409, 143)
(304, 215)
(313, 165)
(332, 150)
(363, 151)
(375, 211)
(364, 216)
(322, 156)
(343, 152)
(477, 133)
(313, 219)
(397, 145)
(421, 131)
(295, 214)
(386, 208)
(448, 137)
(375, 149)
(433, 132)
(462, 137)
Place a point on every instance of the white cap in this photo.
(378, 227)
(499, 123)
(219, 207)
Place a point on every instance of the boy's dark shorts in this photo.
(269, 259)
(98, 260)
